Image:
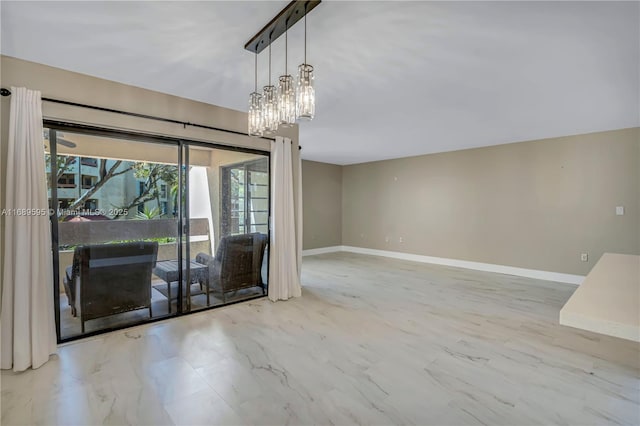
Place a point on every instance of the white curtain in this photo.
(284, 278)
(28, 322)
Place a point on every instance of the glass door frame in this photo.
(183, 145)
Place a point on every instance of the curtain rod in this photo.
(7, 92)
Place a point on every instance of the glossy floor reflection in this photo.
(372, 341)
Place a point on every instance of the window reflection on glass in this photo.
(246, 197)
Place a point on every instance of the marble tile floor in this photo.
(373, 341)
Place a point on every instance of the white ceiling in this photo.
(393, 79)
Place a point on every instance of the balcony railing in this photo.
(103, 231)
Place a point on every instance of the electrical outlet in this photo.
(386, 239)
(584, 257)
(401, 240)
(620, 210)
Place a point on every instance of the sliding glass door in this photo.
(114, 220)
(139, 227)
(228, 243)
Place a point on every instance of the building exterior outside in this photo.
(115, 195)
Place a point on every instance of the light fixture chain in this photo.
(269, 62)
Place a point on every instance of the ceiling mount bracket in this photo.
(287, 17)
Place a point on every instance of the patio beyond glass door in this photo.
(141, 227)
(227, 235)
(114, 221)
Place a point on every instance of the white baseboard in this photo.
(322, 250)
(478, 266)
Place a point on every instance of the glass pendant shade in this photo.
(255, 114)
(270, 115)
(286, 101)
(305, 94)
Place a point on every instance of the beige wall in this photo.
(322, 201)
(535, 204)
(65, 85)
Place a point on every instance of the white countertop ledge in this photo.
(608, 300)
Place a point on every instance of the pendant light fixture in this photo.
(269, 104)
(255, 106)
(286, 92)
(293, 99)
(306, 96)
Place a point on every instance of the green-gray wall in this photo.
(322, 204)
